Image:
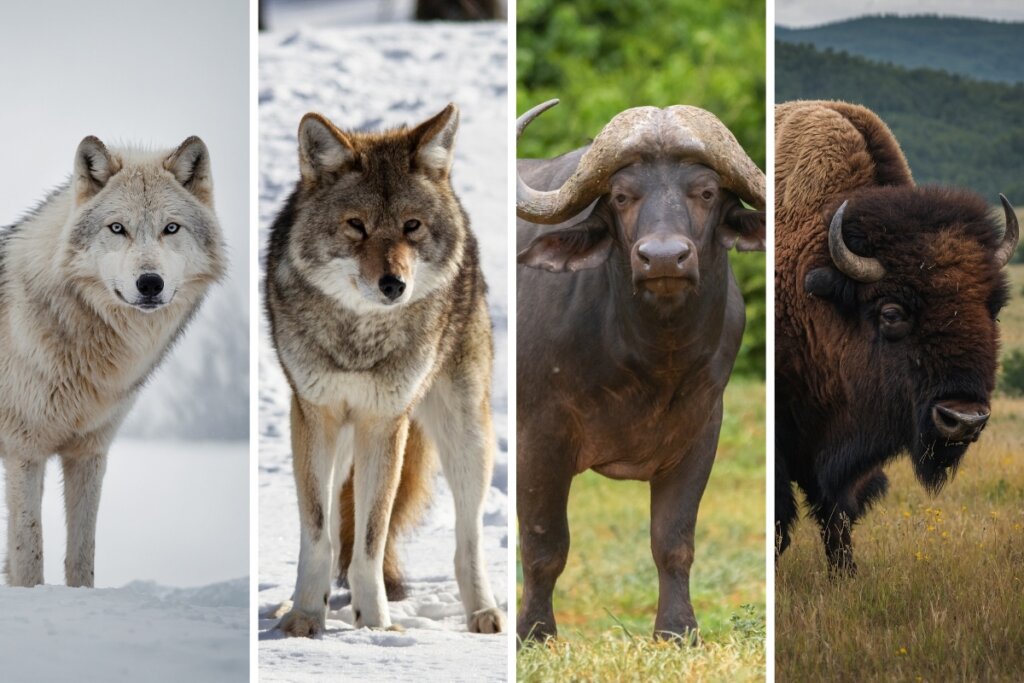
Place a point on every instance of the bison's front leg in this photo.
(836, 522)
(675, 496)
(543, 478)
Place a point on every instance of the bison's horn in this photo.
(1005, 251)
(860, 268)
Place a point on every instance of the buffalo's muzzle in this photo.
(959, 421)
(659, 259)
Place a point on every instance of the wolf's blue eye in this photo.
(412, 226)
(171, 228)
(116, 228)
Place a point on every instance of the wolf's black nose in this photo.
(391, 286)
(149, 284)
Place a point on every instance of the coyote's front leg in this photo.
(315, 434)
(379, 449)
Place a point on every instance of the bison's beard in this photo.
(936, 460)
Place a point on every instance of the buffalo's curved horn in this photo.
(860, 268)
(1006, 250)
(686, 132)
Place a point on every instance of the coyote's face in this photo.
(143, 232)
(377, 223)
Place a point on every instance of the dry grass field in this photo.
(939, 595)
(606, 599)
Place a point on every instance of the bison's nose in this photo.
(392, 287)
(149, 284)
(958, 422)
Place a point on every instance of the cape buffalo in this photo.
(886, 331)
(629, 323)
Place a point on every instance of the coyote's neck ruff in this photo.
(378, 312)
(95, 285)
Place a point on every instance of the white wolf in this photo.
(95, 285)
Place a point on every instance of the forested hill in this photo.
(953, 130)
(984, 50)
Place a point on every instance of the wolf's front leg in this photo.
(458, 420)
(83, 479)
(315, 432)
(24, 479)
(379, 449)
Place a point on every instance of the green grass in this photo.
(606, 599)
(939, 595)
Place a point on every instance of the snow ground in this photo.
(171, 514)
(369, 78)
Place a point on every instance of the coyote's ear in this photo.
(434, 141)
(94, 166)
(190, 165)
(323, 149)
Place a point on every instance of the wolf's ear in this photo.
(434, 141)
(94, 166)
(323, 149)
(190, 165)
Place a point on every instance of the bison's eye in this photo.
(356, 228)
(893, 321)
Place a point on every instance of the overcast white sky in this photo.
(144, 71)
(799, 13)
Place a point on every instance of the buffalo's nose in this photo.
(959, 422)
(663, 254)
(392, 287)
(149, 284)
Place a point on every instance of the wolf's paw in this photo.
(298, 624)
(488, 620)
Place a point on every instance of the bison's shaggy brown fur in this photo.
(854, 388)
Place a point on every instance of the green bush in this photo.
(600, 57)
(1011, 377)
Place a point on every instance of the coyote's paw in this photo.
(488, 620)
(299, 624)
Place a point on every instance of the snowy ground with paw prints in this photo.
(368, 78)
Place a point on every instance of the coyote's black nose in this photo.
(149, 284)
(392, 287)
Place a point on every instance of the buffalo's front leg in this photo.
(675, 496)
(542, 494)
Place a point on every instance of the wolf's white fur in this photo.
(77, 341)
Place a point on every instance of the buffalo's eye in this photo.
(116, 228)
(893, 321)
(707, 195)
(621, 199)
(357, 227)
(171, 228)
(411, 226)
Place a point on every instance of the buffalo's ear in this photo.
(434, 140)
(94, 166)
(743, 229)
(578, 247)
(190, 165)
(323, 149)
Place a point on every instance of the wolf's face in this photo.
(143, 232)
(377, 222)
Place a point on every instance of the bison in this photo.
(629, 321)
(887, 297)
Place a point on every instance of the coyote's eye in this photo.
(357, 225)
(116, 228)
(412, 226)
(171, 228)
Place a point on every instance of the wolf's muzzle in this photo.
(149, 285)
